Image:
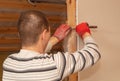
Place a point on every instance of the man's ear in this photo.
(43, 35)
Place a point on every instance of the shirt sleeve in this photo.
(80, 59)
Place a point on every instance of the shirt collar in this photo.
(29, 52)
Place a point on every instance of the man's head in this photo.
(31, 25)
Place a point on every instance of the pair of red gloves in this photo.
(64, 29)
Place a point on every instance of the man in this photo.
(33, 64)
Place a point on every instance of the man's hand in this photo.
(62, 31)
(82, 29)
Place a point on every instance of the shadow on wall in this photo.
(87, 73)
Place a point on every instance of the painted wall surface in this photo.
(106, 15)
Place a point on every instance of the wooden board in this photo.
(71, 42)
(10, 11)
(24, 5)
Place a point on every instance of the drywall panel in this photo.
(106, 15)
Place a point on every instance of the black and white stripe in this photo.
(74, 63)
(49, 67)
(95, 51)
(83, 59)
(92, 58)
(15, 65)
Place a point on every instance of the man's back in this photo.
(30, 66)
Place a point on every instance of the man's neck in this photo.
(33, 48)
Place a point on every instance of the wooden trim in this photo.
(5, 49)
(71, 40)
(71, 12)
(9, 41)
(14, 17)
(9, 13)
(24, 5)
(49, 1)
(8, 30)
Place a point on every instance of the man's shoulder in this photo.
(12, 54)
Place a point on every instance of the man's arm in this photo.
(60, 33)
(53, 40)
(81, 59)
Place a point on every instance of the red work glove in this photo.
(82, 28)
(62, 31)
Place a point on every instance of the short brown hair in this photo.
(30, 26)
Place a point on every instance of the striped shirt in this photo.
(31, 66)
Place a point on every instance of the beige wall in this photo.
(106, 15)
